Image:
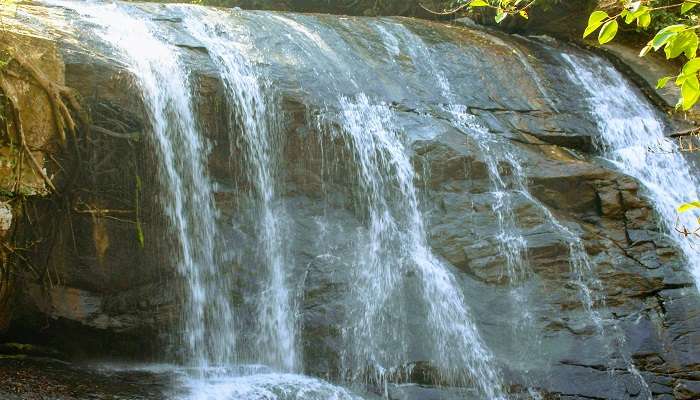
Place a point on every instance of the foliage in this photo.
(503, 8)
(677, 37)
(674, 21)
(676, 25)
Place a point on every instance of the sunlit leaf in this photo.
(500, 16)
(663, 81)
(688, 206)
(690, 92)
(680, 43)
(665, 35)
(645, 50)
(595, 21)
(644, 20)
(607, 32)
(692, 66)
(478, 3)
(687, 6)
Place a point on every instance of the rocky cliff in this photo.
(101, 281)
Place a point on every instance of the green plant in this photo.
(139, 228)
(678, 38)
(503, 8)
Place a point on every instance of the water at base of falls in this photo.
(265, 386)
(236, 382)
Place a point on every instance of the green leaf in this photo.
(688, 206)
(692, 66)
(681, 78)
(663, 81)
(665, 35)
(632, 15)
(501, 16)
(607, 32)
(687, 6)
(595, 21)
(686, 41)
(478, 3)
(645, 50)
(139, 235)
(690, 92)
(644, 20)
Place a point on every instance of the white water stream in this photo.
(259, 118)
(629, 130)
(186, 192)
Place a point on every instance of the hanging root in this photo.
(60, 97)
(16, 121)
(62, 101)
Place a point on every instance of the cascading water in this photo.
(396, 246)
(512, 244)
(628, 128)
(186, 195)
(376, 332)
(256, 113)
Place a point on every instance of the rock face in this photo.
(529, 131)
(19, 176)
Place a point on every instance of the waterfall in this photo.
(396, 247)
(512, 244)
(629, 128)
(258, 116)
(402, 314)
(186, 192)
(510, 240)
(393, 248)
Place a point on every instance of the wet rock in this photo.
(416, 392)
(535, 320)
(37, 378)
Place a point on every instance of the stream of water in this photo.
(256, 112)
(208, 333)
(633, 137)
